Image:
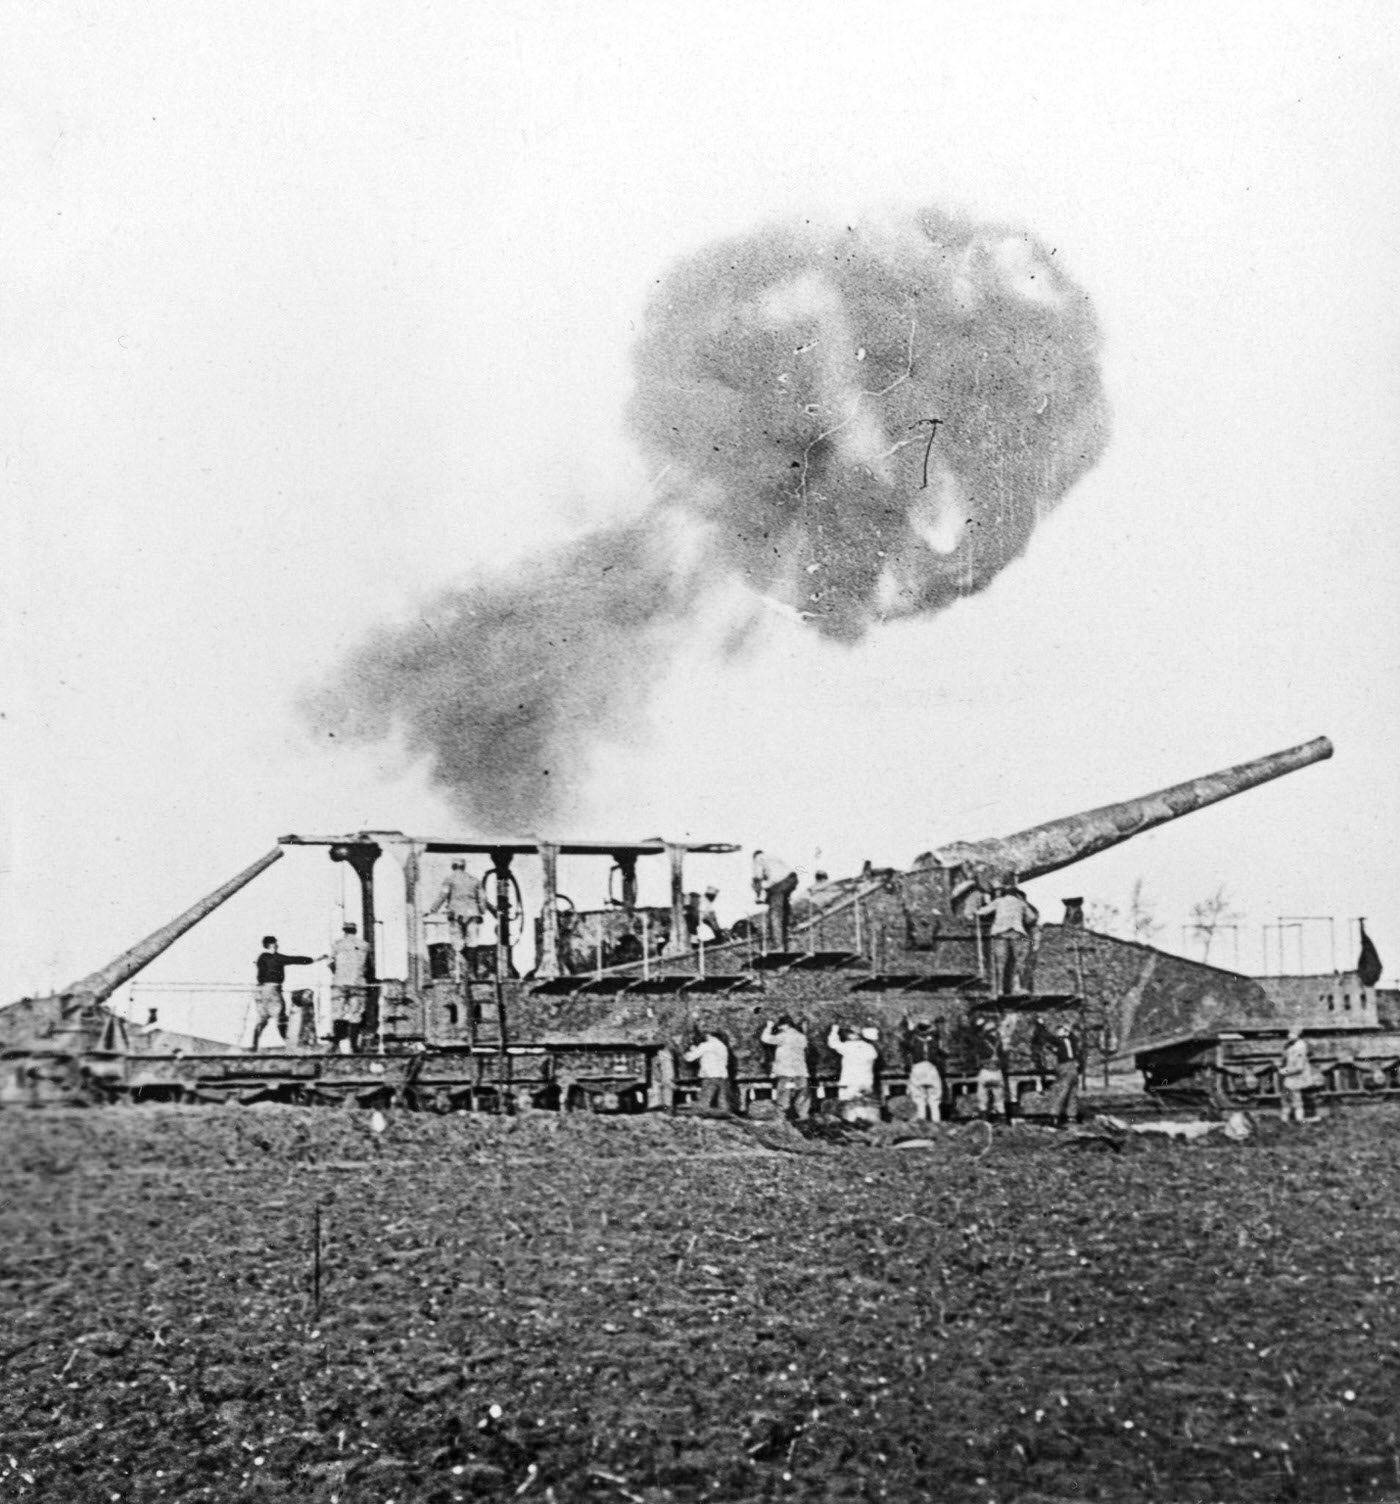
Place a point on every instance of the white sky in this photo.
(310, 308)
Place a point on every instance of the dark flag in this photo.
(1368, 963)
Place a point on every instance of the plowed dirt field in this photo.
(654, 1309)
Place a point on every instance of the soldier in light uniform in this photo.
(791, 1083)
(460, 897)
(860, 1056)
(350, 963)
(1295, 1076)
(1014, 920)
(711, 1054)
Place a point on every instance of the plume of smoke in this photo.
(859, 423)
(873, 418)
(507, 685)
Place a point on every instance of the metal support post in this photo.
(500, 862)
(679, 945)
(413, 918)
(362, 856)
(547, 962)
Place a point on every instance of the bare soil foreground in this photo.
(654, 1309)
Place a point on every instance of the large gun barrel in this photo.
(1058, 843)
(100, 985)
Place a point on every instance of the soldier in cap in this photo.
(791, 1090)
(271, 972)
(1013, 924)
(991, 1069)
(711, 1056)
(923, 1052)
(1295, 1075)
(859, 1054)
(460, 897)
(350, 963)
(709, 918)
(1063, 1100)
(773, 885)
(701, 912)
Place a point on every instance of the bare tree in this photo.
(1101, 916)
(1210, 916)
(1142, 914)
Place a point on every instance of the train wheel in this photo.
(1239, 1088)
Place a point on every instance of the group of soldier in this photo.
(352, 995)
(462, 901)
(922, 1053)
(1012, 920)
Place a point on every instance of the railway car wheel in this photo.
(1239, 1088)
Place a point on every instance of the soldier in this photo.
(712, 1056)
(701, 912)
(709, 918)
(661, 1092)
(272, 971)
(460, 896)
(991, 1070)
(859, 1056)
(923, 1057)
(1295, 1076)
(350, 963)
(1013, 923)
(791, 1090)
(773, 885)
(1063, 1101)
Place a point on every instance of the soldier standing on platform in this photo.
(350, 963)
(1014, 920)
(710, 919)
(272, 972)
(773, 884)
(460, 896)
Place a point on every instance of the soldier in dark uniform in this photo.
(992, 1097)
(272, 972)
(924, 1059)
(1063, 1101)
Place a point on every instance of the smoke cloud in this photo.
(858, 423)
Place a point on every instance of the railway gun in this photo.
(614, 994)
